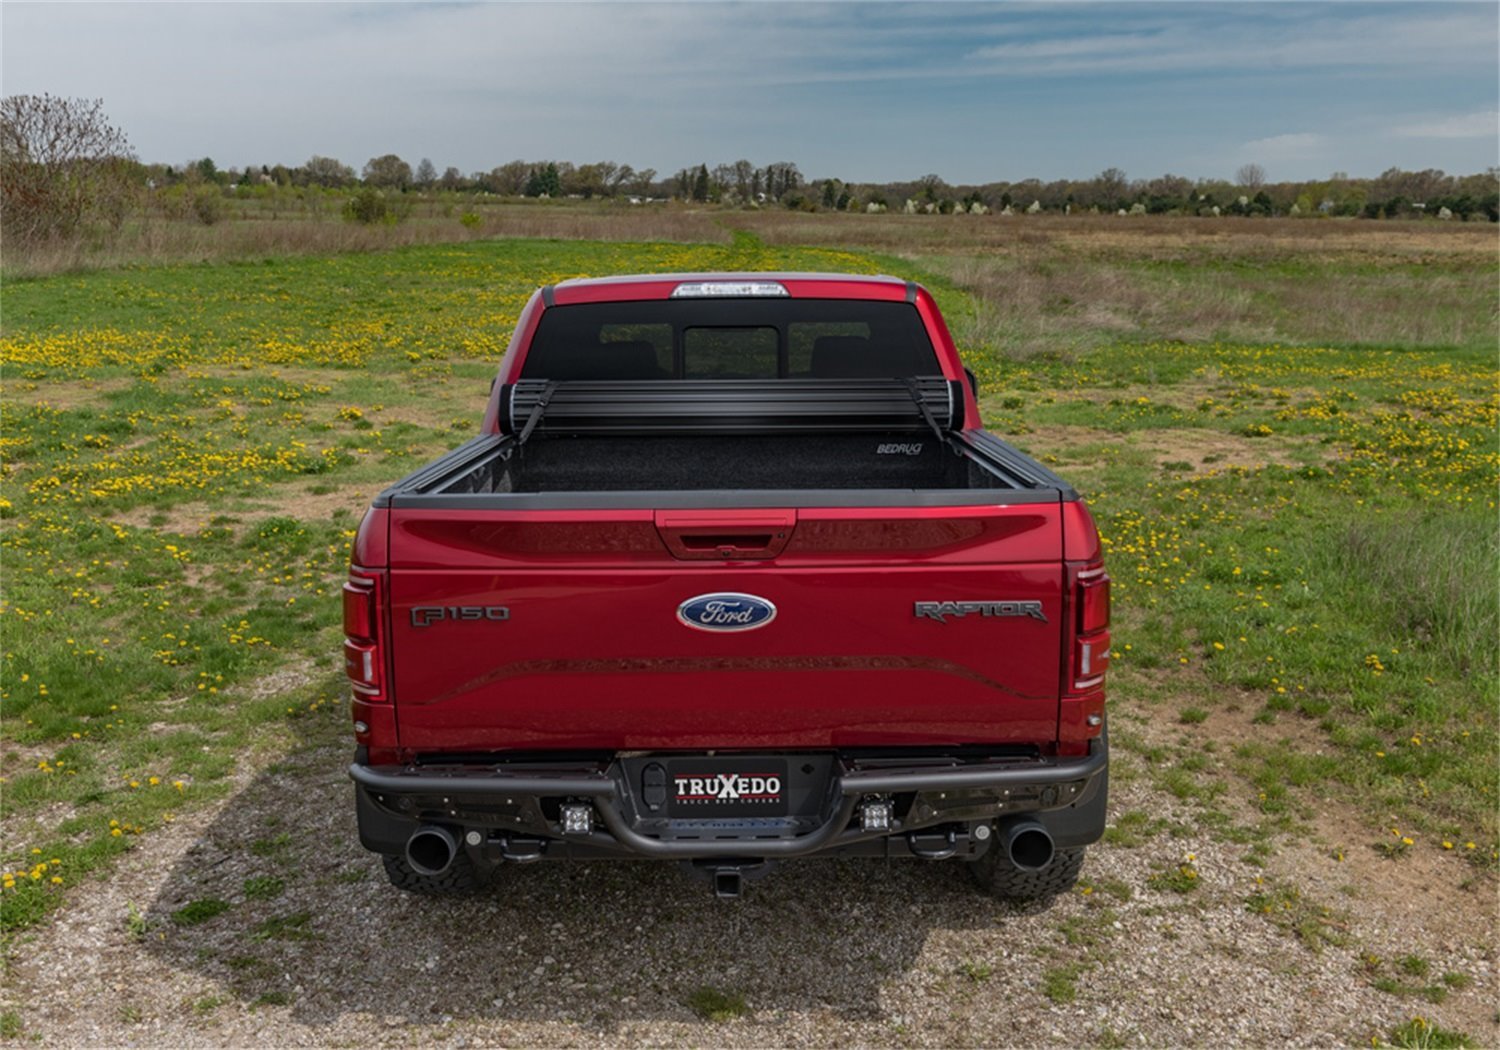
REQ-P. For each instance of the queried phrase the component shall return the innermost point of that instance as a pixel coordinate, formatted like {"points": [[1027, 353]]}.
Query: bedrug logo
{"points": [[940, 611], [729, 787], [726, 612], [899, 448]]}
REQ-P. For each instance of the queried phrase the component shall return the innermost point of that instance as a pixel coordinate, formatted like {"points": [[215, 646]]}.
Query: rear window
{"points": [[731, 339]]}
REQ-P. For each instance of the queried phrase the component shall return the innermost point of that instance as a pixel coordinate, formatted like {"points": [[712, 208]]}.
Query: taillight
{"points": [[1093, 600], [1091, 645], [362, 656], [359, 609]]}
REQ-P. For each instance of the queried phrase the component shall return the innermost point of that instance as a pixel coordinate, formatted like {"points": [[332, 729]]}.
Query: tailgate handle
{"points": [[726, 535]]}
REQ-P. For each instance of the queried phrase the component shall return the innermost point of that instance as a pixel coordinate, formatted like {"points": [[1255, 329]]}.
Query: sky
{"points": [[865, 92]]}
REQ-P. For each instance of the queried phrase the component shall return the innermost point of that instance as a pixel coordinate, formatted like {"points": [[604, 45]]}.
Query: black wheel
{"points": [[461, 879], [996, 875]]}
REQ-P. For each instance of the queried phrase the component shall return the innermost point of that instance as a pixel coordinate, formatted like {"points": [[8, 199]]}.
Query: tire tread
{"points": [[997, 876], [460, 880]]}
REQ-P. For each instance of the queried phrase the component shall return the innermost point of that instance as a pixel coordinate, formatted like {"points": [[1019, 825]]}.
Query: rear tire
{"points": [[461, 879], [998, 876]]}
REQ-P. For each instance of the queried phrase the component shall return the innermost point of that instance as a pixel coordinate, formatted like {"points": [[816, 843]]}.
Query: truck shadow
{"points": [[313, 924]]}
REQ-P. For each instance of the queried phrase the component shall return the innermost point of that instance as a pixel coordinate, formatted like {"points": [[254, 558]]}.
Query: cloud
{"points": [[1297, 145], [1482, 125], [1258, 38]]}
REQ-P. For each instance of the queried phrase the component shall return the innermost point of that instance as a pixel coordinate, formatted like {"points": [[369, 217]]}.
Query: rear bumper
{"points": [[515, 809]]}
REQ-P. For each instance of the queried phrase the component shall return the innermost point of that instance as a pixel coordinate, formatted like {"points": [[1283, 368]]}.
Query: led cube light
{"points": [[876, 816], [577, 818]]}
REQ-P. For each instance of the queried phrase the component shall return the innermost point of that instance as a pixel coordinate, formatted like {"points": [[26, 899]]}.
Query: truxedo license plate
{"points": [[731, 786]]}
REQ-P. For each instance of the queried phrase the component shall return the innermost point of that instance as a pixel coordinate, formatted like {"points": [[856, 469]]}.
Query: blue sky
{"points": [[974, 92]]}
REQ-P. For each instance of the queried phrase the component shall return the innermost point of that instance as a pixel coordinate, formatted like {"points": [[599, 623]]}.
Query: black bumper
{"points": [[515, 809]]}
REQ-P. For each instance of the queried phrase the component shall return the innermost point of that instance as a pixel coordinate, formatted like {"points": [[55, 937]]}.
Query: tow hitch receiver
{"points": [[728, 879]]}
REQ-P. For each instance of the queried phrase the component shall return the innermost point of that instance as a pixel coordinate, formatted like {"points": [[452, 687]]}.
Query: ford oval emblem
{"points": [[726, 612]]}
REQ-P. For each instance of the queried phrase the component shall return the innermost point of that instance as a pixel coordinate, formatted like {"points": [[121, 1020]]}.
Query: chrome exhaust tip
{"points": [[431, 849]]}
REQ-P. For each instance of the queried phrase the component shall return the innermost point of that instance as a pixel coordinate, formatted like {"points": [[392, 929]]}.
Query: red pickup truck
{"points": [[732, 574]]}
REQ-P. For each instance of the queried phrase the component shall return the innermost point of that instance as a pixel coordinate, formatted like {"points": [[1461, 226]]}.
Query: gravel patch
{"points": [[821, 952]]}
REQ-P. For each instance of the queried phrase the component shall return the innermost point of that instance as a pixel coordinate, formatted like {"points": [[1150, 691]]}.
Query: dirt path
{"points": [[821, 952]]}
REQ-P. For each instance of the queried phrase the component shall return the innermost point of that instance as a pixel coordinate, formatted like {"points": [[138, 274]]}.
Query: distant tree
{"points": [[587, 181], [426, 174], [1250, 176], [781, 179], [510, 179], [208, 171], [605, 172], [388, 172], [700, 183], [544, 182], [642, 183], [452, 179], [623, 175], [62, 164], [1110, 189], [744, 176], [325, 171]]}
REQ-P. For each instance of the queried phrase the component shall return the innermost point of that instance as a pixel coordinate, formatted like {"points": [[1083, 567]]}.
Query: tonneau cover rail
{"points": [[730, 405]]}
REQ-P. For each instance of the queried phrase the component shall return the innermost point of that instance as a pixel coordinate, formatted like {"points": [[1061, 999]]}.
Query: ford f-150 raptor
{"points": [[732, 574]]}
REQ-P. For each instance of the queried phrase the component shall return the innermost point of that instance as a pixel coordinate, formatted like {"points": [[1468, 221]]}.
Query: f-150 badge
{"points": [[427, 615], [940, 611], [726, 612]]}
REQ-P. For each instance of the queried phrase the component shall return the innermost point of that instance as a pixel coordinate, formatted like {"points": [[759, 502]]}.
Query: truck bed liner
{"points": [[835, 469]]}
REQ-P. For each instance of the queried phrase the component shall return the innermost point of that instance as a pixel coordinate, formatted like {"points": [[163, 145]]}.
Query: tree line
{"points": [[1395, 193], [65, 168]]}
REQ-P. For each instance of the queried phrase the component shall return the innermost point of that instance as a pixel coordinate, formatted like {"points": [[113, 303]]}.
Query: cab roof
{"points": [[662, 285]]}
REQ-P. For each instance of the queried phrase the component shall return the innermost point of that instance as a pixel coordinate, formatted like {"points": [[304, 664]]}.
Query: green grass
{"points": [[712, 1004], [1336, 574], [187, 451], [292, 927], [1060, 983], [200, 911], [1180, 879], [1315, 925], [264, 887], [1421, 1034]]}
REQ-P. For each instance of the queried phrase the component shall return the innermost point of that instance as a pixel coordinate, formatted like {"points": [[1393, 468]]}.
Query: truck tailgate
{"points": [[560, 630]]}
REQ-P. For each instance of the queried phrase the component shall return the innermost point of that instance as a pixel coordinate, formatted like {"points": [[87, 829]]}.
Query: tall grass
{"points": [[1431, 577], [251, 231]]}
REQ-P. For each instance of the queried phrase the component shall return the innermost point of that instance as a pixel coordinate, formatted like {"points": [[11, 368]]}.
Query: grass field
{"points": [[1290, 446]]}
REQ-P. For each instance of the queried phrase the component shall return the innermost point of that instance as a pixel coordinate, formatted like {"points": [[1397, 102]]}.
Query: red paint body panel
{"points": [[590, 654], [592, 659]]}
